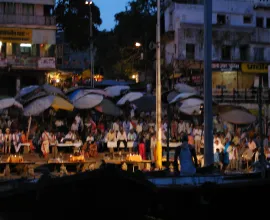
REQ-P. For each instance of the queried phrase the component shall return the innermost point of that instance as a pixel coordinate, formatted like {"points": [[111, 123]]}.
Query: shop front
{"points": [[225, 76], [250, 72]]}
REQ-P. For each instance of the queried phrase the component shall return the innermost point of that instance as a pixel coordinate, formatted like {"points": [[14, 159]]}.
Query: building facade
{"points": [[240, 41], [27, 43]]}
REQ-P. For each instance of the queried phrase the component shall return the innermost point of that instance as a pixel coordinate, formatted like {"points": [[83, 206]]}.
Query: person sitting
{"points": [[132, 136], [70, 136], [86, 147], [93, 150], [121, 137]]}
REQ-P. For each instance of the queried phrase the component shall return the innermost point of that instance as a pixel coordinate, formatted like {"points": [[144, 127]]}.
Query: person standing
{"points": [[7, 141], [45, 146]]}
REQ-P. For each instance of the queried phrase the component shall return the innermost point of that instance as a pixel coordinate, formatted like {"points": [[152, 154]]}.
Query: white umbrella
{"points": [[191, 106], [131, 96], [9, 102], [27, 90], [182, 96], [114, 91], [38, 106], [180, 87], [82, 92], [237, 116], [88, 101]]}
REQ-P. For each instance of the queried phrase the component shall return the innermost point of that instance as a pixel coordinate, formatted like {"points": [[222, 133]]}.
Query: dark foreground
{"points": [[110, 193]]}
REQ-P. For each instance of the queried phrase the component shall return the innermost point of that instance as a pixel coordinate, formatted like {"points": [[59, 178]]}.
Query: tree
{"points": [[72, 16], [136, 24]]}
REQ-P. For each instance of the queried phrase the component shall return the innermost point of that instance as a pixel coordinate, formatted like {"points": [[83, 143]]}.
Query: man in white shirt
{"points": [[218, 145], [116, 126], [121, 137], [139, 127]]}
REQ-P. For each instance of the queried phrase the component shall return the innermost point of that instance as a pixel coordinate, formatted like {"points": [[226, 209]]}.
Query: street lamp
{"points": [[91, 42], [137, 44]]}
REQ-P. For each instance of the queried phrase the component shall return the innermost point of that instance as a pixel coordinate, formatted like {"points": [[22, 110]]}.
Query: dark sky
{"points": [[108, 8]]}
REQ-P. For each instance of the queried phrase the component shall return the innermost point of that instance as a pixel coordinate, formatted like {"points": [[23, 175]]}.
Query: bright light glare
{"points": [[25, 45], [88, 2], [57, 80], [137, 44], [133, 76]]}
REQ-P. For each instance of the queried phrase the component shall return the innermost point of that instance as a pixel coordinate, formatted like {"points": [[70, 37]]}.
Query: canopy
{"points": [[114, 91], [107, 107], [9, 102], [238, 116], [131, 96], [77, 94], [180, 87], [182, 96], [146, 103], [191, 106], [40, 105], [88, 101]]}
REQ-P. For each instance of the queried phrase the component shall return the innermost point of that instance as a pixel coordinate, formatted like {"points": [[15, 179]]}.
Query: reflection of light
{"points": [[57, 80], [133, 76], [25, 45], [1, 43], [88, 2]]}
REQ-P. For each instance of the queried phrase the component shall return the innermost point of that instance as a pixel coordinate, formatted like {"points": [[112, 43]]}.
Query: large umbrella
{"points": [[77, 94], [9, 102], [182, 96], [129, 97], [146, 103], [107, 107], [114, 91], [27, 90], [52, 90], [88, 101], [39, 105], [171, 95], [180, 87], [238, 116], [191, 106]]}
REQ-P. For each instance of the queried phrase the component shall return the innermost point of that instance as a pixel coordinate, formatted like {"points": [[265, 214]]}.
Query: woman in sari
{"points": [[93, 149]]}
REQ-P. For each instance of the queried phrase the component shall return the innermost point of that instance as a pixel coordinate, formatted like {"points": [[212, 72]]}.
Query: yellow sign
{"points": [[16, 35], [254, 67]]}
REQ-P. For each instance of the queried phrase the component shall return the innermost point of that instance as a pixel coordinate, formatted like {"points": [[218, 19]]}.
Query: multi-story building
{"points": [[240, 41], [27, 43]]}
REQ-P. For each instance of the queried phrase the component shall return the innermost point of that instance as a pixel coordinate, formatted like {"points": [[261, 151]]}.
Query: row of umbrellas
{"points": [[34, 100]]}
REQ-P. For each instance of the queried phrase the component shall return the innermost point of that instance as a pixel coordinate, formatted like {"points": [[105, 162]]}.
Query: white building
{"points": [[27, 42], [241, 40]]}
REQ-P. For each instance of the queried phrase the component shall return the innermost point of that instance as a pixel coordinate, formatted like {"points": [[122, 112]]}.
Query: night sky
{"points": [[108, 8]]}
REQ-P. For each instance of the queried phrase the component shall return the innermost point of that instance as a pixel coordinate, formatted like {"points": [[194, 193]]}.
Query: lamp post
{"points": [[158, 94], [91, 42]]}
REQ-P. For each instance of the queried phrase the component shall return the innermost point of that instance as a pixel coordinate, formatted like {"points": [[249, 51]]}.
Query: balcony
{"points": [[16, 62], [27, 20]]}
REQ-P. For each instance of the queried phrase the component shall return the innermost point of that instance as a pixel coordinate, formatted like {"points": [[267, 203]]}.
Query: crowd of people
{"points": [[232, 146]]}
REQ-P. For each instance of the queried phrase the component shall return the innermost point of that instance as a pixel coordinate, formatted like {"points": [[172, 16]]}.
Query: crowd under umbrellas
{"points": [[88, 116]]}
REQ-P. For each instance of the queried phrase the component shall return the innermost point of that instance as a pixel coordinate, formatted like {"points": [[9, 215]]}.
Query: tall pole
{"points": [[208, 112], [158, 94], [91, 44]]}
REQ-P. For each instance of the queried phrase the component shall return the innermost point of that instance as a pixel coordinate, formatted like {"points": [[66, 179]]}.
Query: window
{"points": [[221, 19], [244, 52], [258, 54], [226, 53], [247, 20], [259, 22], [25, 50], [28, 9], [10, 8], [190, 51], [267, 22]]}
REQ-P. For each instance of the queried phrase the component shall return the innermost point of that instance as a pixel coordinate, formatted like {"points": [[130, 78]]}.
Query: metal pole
{"points": [[158, 94], [262, 156], [208, 112], [91, 44]]}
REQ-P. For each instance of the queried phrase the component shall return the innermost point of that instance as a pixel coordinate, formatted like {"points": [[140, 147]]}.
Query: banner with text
{"points": [[16, 35], [254, 68], [225, 67], [46, 63]]}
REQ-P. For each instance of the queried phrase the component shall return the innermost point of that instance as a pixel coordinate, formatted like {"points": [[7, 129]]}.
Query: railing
{"points": [[240, 96], [27, 20]]}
